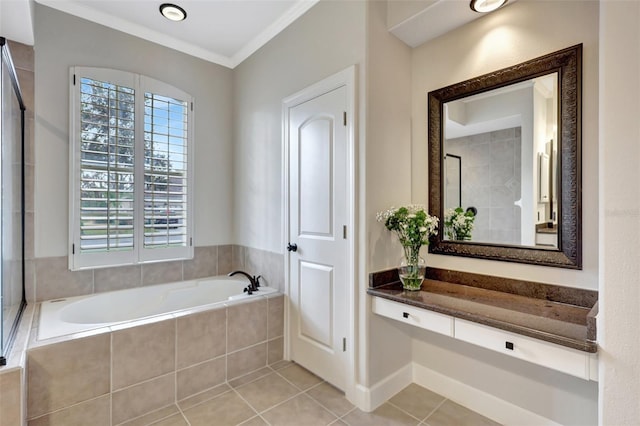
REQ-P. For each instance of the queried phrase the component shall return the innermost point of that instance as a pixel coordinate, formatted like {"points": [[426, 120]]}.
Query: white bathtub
{"points": [[83, 313]]}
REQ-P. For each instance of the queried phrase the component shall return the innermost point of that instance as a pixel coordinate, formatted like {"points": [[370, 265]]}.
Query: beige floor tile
{"points": [[280, 364], [331, 398], [227, 409], [248, 378], [175, 420], [299, 411], [300, 377], [266, 392], [417, 401], [202, 397], [385, 415], [452, 414], [255, 421], [338, 423], [153, 417]]}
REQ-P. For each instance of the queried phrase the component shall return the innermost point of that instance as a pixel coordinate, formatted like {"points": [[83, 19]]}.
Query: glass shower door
{"points": [[12, 295]]}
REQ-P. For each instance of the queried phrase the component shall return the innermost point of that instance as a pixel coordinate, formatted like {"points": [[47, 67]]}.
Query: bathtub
{"points": [[79, 314]]}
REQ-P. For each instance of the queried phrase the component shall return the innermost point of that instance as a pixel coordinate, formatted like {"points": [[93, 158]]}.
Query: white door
{"points": [[318, 215]]}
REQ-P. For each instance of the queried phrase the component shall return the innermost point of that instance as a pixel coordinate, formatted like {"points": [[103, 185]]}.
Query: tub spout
{"points": [[254, 282]]}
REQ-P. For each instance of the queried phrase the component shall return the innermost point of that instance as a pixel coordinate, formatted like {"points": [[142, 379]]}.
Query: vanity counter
{"points": [[555, 314]]}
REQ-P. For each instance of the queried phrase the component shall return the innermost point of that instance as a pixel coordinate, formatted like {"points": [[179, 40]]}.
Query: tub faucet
{"points": [[254, 282]]}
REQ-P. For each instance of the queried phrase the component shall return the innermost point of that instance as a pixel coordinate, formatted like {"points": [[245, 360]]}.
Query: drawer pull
{"points": [[405, 314], [508, 345]]}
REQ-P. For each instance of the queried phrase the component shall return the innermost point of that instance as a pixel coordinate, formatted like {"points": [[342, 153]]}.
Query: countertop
{"points": [[556, 314]]}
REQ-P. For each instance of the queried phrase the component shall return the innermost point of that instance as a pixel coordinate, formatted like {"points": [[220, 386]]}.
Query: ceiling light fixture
{"points": [[173, 12], [484, 6]]}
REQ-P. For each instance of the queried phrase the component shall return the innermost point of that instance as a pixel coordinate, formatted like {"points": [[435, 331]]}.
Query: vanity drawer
{"points": [[411, 315], [567, 360]]}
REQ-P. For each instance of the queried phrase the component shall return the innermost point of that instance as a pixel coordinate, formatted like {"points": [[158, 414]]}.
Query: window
{"points": [[131, 170]]}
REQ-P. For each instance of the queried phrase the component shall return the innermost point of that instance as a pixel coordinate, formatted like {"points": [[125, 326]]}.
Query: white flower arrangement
{"points": [[458, 224], [411, 223], [413, 226]]}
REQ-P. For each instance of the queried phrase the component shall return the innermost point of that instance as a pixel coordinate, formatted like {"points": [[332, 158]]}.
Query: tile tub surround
{"points": [[12, 380], [53, 279], [560, 315], [142, 367], [11, 397]]}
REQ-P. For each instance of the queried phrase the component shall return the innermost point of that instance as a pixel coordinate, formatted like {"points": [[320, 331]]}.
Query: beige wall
{"points": [[386, 162], [619, 317], [521, 31], [325, 40], [516, 33], [63, 41]]}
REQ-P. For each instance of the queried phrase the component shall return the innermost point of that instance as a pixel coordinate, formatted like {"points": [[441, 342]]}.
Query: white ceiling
{"points": [[225, 32]]}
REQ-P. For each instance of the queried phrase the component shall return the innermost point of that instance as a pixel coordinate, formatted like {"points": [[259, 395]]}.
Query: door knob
{"points": [[292, 247]]}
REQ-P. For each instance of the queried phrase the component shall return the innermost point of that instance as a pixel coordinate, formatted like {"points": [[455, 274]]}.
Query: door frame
{"points": [[345, 78]]}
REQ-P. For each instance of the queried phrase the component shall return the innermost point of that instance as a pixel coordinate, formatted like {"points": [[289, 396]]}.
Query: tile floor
{"points": [[288, 395]]}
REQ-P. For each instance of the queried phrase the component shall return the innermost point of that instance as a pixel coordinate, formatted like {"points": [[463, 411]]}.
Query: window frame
{"points": [[79, 260]]}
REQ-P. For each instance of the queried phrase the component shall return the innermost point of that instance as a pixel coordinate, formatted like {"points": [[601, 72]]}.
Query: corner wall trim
{"points": [[368, 399]]}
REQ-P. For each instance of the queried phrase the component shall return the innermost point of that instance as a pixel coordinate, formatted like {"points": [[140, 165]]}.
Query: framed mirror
{"points": [[505, 163]]}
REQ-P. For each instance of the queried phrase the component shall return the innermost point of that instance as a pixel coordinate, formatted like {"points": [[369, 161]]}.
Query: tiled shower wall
{"points": [[491, 182], [53, 279]]}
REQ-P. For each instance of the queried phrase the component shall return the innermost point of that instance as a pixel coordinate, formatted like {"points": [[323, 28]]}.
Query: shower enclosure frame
{"points": [[6, 61]]}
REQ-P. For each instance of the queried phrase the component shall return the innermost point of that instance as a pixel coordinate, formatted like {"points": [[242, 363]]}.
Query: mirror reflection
{"points": [[500, 165], [510, 141]]}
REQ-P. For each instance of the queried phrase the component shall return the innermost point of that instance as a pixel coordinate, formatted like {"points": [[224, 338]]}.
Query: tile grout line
{"points": [[175, 362], [322, 405], [257, 413], [346, 414], [206, 400], [404, 411], [146, 414], [184, 416], [308, 389], [229, 386], [434, 410], [58, 410]]}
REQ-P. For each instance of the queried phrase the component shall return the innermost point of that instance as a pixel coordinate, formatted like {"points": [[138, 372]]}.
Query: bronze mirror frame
{"points": [[568, 64]]}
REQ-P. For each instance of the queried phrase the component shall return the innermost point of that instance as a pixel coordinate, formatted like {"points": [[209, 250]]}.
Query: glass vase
{"points": [[412, 269]]}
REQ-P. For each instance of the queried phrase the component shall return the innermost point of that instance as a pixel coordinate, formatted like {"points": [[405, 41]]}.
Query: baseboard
{"points": [[481, 402], [368, 399]]}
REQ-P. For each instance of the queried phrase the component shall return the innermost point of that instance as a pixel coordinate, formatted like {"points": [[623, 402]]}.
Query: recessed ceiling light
{"points": [[173, 12], [484, 6]]}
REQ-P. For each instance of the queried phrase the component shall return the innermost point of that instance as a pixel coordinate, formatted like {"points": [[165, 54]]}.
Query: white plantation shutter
{"points": [[165, 166], [106, 179], [130, 170]]}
